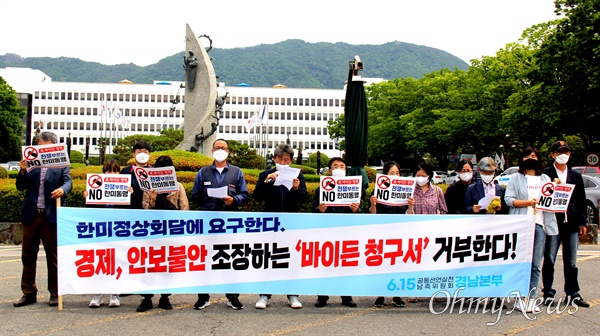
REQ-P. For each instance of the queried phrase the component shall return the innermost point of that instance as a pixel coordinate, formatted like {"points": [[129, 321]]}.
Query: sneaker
{"points": [[164, 303], [398, 302], [114, 301], [96, 301], [235, 304], [577, 300], [145, 305], [262, 302], [379, 302], [201, 303], [294, 302]]}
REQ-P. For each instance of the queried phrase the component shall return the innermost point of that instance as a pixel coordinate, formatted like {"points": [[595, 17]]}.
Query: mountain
{"points": [[294, 63]]}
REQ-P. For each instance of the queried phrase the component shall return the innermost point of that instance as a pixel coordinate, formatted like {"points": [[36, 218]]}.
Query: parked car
{"points": [[451, 178], [405, 172], [438, 177], [588, 170], [592, 195], [503, 178], [11, 165]]}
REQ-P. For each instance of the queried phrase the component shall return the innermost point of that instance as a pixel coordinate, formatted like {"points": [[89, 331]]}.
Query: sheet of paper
{"points": [[217, 192], [484, 202], [286, 177]]}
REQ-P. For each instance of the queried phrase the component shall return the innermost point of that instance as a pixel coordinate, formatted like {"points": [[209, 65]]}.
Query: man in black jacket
{"points": [[280, 199], [570, 226]]}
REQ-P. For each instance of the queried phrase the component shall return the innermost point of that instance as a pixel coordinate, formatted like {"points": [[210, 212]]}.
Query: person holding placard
{"points": [[42, 187], [337, 166], [176, 200], [220, 187], [279, 197], [141, 154], [522, 196], [109, 167], [389, 168], [429, 198], [571, 225]]}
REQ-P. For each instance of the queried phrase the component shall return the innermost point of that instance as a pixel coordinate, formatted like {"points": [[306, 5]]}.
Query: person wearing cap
{"points": [[484, 188], [521, 196], [571, 225]]}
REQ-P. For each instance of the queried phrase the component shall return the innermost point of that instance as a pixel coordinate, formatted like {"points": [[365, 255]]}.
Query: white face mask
{"points": [[280, 166], [422, 180], [142, 158], [562, 159], [465, 177], [487, 178], [220, 155], [338, 172]]}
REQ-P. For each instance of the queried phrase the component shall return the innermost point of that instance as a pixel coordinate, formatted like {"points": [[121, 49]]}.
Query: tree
{"points": [[11, 128], [167, 140], [242, 156]]}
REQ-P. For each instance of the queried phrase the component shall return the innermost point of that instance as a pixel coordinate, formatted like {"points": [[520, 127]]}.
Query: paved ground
{"points": [[278, 318]]}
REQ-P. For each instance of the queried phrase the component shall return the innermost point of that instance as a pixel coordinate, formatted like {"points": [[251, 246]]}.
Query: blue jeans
{"points": [[536, 262], [569, 241]]}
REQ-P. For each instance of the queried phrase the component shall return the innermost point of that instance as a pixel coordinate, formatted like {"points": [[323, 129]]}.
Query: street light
{"points": [[507, 145]]}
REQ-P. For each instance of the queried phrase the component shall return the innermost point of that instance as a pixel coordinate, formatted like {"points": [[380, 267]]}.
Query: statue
{"points": [[190, 65]]}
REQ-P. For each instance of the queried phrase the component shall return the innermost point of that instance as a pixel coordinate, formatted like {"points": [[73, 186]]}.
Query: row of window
{"points": [[169, 98], [93, 111], [254, 144], [108, 97], [226, 129], [95, 126], [284, 115]]}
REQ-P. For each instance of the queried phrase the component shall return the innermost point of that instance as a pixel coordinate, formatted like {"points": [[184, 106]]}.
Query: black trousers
{"points": [[40, 230]]}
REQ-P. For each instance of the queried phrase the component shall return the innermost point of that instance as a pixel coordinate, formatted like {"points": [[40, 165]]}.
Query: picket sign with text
{"points": [[160, 251], [46, 156], [108, 189], [340, 190], [394, 190], [163, 180], [555, 197]]}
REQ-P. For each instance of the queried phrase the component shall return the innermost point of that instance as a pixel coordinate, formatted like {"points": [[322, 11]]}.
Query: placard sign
{"points": [[46, 156], [108, 189], [555, 197], [394, 190], [163, 179], [340, 190]]}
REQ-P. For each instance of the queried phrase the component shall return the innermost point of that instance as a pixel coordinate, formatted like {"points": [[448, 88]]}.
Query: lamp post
{"points": [[507, 144]]}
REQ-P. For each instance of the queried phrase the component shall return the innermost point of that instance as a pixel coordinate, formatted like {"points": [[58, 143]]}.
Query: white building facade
{"points": [[117, 110]]}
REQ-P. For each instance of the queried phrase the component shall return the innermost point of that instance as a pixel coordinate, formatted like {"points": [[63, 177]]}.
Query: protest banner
{"points": [[46, 156], [108, 189], [162, 180], [394, 190], [338, 191], [555, 197], [159, 251]]}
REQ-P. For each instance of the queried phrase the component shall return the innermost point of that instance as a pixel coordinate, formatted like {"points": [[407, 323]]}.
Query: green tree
{"points": [[336, 129], [242, 156], [11, 128]]}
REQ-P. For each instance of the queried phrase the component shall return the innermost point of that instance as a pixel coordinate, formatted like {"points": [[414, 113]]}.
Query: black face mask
{"points": [[531, 164]]}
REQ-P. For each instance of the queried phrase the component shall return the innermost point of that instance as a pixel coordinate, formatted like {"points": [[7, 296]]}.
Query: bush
{"points": [[11, 203], [312, 160], [3, 173], [305, 170], [182, 160], [76, 157], [80, 172], [371, 173], [13, 174]]}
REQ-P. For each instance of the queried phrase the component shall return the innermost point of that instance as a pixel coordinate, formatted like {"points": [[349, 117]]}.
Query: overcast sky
{"points": [[144, 32]]}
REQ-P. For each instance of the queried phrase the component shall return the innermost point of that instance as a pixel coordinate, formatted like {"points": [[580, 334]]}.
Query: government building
{"points": [[117, 110]]}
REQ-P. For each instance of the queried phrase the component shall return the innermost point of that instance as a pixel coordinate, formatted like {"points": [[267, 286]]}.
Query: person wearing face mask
{"points": [[521, 196], [389, 168], [455, 194], [280, 199], [141, 154], [220, 174], [571, 225], [486, 187], [337, 166], [429, 199]]}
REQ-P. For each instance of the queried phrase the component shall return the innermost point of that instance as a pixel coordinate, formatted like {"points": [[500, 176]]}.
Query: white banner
{"points": [[161, 251], [394, 190], [108, 189]]}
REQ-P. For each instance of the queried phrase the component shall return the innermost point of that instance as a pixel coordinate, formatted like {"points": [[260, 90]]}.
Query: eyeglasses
{"points": [[220, 147]]}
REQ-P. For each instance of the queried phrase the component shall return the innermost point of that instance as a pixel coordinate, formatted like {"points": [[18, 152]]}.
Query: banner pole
{"points": [[60, 299]]}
